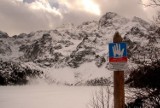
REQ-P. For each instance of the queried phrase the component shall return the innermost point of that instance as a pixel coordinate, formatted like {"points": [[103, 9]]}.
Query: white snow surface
{"points": [[46, 96], [54, 96], [67, 75]]}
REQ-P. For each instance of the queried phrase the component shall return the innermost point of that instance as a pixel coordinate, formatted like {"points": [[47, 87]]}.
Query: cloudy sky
{"points": [[17, 16]]}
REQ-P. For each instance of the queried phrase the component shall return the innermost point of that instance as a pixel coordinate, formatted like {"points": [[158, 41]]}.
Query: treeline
{"points": [[12, 73], [146, 78]]}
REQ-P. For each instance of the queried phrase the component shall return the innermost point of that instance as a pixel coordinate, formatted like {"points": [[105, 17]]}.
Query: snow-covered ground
{"points": [[71, 76], [46, 96]]}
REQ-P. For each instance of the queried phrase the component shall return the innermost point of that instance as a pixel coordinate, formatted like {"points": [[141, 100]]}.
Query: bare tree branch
{"points": [[101, 98], [152, 3]]}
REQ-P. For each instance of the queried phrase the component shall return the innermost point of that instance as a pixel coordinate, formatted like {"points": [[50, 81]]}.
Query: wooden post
{"points": [[118, 80]]}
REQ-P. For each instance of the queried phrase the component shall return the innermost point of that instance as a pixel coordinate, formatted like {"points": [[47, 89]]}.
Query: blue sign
{"points": [[117, 52]]}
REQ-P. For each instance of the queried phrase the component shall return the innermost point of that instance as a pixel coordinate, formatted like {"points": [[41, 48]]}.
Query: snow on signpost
{"points": [[118, 56]]}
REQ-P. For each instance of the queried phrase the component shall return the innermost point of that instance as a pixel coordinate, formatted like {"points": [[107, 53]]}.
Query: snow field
{"points": [[45, 96]]}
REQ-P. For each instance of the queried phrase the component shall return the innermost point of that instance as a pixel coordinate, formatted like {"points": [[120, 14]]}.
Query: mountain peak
{"points": [[110, 15], [111, 18], [141, 21], [3, 35], [137, 19]]}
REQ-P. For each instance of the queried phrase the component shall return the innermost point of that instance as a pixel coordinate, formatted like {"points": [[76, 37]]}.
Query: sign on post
{"points": [[117, 56]]}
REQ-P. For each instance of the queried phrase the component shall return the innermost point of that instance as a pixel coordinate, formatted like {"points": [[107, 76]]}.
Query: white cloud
{"points": [[44, 6], [83, 5], [127, 8], [17, 16], [19, 0]]}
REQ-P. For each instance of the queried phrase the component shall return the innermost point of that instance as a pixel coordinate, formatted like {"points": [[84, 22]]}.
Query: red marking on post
{"points": [[123, 59]]}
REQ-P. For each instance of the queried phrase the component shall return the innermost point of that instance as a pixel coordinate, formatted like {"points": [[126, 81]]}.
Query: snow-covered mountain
{"points": [[81, 51]]}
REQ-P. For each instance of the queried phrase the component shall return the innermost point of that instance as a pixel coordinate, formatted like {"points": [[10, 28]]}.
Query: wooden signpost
{"points": [[118, 80], [118, 59]]}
